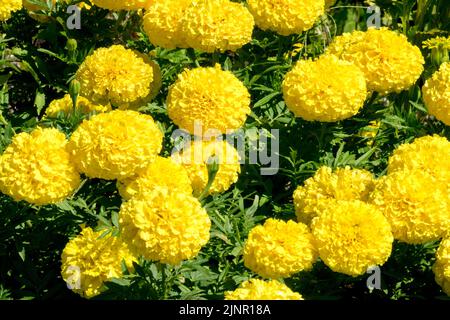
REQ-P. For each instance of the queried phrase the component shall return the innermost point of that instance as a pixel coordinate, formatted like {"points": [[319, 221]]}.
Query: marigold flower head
{"points": [[342, 184], [286, 17], [255, 289], [122, 4], [165, 225], [313, 97], [352, 236], [209, 97], [162, 23], [279, 249], [115, 145], [116, 75], [36, 167], [163, 172], [417, 209], [429, 154], [195, 158], [7, 7], [389, 62], [65, 105], [221, 25], [436, 94], [437, 43], [441, 268], [89, 260]]}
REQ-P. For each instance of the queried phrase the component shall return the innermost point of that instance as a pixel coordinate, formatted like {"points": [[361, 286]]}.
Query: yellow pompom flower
{"points": [[389, 62], [65, 106], [430, 154], [163, 172], [162, 23], [279, 249], [122, 4], [115, 145], [342, 184], [208, 97], [221, 25], [313, 97], [36, 167], [7, 7], [198, 154], [286, 17], [352, 236], [441, 268], [88, 261], [115, 75], [436, 94], [165, 225], [417, 209], [255, 289]]}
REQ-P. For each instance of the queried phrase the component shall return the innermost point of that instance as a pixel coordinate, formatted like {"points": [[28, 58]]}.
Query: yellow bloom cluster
{"points": [[88, 261], [314, 97], [286, 16], [441, 268], [7, 7], [122, 4], [65, 105], [389, 62], [162, 23], [342, 184], [118, 76], [198, 154], [430, 154], [417, 209], [164, 225], [255, 289], [211, 25], [36, 167], [436, 94], [163, 172], [115, 145], [209, 97], [279, 249], [352, 236], [436, 43]]}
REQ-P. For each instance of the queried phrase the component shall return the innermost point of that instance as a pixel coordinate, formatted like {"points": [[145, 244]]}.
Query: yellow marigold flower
{"points": [[209, 97], [198, 154], [436, 94], [7, 7], [441, 268], [115, 75], [352, 236], [122, 4], [417, 209], [36, 167], [430, 154], [165, 225], [313, 97], [370, 131], [115, 145], [163, 172], [279, 249], [342, 184], [65, 105], [162, 23], [88, 261], [286, 17], [211, 25], [389, 62], [255, 289], [436, 43]]}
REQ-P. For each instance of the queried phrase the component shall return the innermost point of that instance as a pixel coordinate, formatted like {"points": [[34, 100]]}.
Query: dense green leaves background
{"points": [[36, 67]]}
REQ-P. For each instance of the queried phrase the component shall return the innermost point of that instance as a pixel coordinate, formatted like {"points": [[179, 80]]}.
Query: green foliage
{"points": [[37, 63]]}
